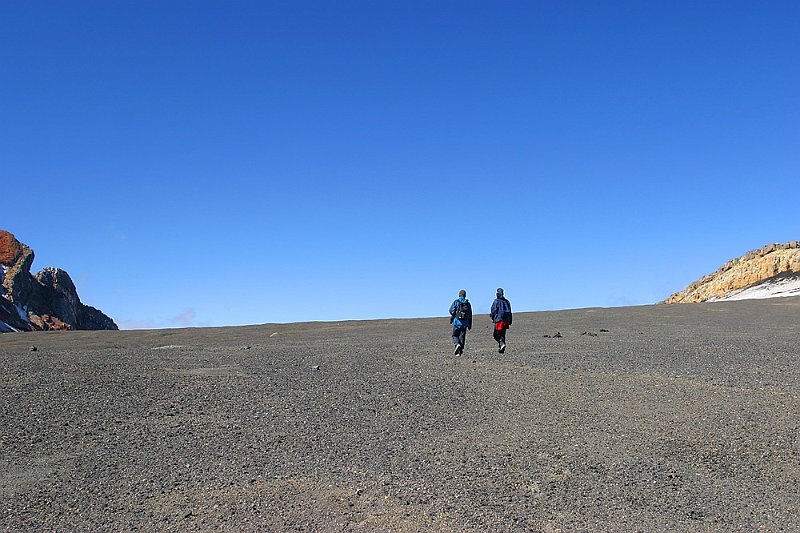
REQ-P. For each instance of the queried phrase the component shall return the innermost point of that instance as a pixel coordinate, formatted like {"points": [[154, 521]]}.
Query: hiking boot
{"points": [[502, 348]]}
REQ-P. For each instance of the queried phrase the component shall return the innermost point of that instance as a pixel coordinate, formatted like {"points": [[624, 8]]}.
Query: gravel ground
{"points": [[677, 418]]}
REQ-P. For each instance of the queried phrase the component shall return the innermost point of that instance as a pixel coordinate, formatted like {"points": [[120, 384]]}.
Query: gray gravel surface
{"points": [[677, 418]]}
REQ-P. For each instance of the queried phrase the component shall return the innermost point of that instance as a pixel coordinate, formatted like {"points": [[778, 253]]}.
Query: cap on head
{"points": [[462, 292], [499, 292]]}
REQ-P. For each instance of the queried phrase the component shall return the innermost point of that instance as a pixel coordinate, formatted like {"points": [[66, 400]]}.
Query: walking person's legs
{"points": [[459, 339], [499, 334], [455, 340]]}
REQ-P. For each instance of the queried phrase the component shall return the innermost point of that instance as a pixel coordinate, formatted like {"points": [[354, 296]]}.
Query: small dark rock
{"points": [[695, 515], [34, 348]]}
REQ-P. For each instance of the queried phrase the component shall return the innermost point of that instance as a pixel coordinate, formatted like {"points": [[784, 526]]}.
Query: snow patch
{"points": [[22, 312], [777, 287]]}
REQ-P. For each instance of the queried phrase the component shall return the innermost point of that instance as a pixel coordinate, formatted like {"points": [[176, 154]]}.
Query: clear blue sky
{"points": [[220, 163]]}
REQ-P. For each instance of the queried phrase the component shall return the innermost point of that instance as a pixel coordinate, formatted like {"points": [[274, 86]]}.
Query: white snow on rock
{"points": [[22, 312], [5, 328], [777, 287]]}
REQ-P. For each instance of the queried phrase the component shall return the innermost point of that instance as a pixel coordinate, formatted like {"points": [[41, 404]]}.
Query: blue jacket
{"points": [[466, 322], [501, 310]]}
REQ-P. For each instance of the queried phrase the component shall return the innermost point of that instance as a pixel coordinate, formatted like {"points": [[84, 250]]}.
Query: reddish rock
{"points": [[49, 323], [9, 248]]}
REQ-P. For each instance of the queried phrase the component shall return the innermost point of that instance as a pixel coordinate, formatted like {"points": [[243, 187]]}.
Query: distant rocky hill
{"points": [[45, 301], [771, 271]]}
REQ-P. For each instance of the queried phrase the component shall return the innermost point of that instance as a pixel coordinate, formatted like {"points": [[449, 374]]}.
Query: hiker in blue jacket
{"points": [[461, 318], [501, 316]]}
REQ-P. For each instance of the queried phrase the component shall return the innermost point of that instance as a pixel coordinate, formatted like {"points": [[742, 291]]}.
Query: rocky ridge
{"points": [[47, 300], [753, 268]]}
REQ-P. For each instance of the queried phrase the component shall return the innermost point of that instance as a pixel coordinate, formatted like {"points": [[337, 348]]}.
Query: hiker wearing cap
{"points": [[461, 319], [501, 317]]}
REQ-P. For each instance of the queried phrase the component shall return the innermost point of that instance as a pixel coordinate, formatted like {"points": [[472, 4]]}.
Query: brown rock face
{"points": [[750, 269], [46, 301], [9, 248]]}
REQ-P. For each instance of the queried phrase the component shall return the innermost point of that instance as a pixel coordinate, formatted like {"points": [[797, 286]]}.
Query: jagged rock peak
{"points": [[45, 301], [751, 269]]}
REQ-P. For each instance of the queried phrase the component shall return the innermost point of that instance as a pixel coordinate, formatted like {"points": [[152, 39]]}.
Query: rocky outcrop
{"points": [[751, 269], [10, 248], [45, 301]]}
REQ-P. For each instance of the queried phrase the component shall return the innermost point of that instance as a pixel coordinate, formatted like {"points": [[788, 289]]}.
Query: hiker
{"points": [[501, 316], [461, 318]]}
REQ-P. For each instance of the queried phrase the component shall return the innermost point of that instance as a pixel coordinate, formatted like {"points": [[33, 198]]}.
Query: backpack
{"points": [[463, 310], [503, 310]]}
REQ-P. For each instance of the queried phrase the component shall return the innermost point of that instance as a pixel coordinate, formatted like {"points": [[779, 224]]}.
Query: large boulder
{"points": [[60, 293], [45, 301]]}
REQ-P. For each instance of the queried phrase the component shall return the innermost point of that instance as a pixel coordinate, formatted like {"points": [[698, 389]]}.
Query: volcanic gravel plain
{"points": [[655, 418]]}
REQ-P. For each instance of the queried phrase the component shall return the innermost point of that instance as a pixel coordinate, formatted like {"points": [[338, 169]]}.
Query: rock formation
{"points": [[45, 301], [751, 269]]}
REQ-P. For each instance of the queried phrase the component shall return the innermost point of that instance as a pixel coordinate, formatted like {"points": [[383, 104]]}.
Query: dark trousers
{"points": [[500, 336], [459, 335]]}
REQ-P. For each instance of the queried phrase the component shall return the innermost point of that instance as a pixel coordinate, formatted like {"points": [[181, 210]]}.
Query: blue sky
{"points": [[221, 163]]}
